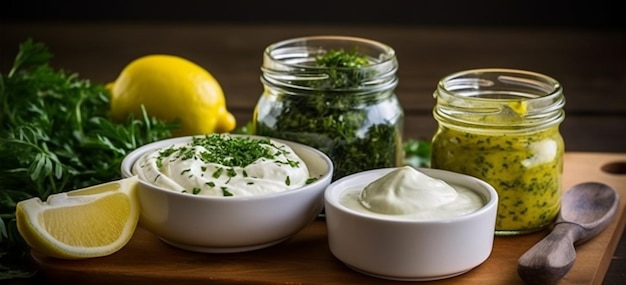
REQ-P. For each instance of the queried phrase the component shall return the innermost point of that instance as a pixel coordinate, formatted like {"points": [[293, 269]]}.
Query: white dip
{"points": [[223, 165], [408, 193]]}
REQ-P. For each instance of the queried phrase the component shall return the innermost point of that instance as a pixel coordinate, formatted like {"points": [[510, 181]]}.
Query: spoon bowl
{"points": [[591, 206], [586, 210]]}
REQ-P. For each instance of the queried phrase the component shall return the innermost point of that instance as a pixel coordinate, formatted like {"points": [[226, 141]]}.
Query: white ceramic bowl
{"points": [[398, 249], [230, 224]]}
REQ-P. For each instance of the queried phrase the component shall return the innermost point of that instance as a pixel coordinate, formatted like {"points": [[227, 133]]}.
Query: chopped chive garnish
{"points": [[218, 172], [225, 192]]}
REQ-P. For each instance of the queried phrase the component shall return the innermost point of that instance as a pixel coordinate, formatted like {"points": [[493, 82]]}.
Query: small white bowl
{"points": [[395, 248], [230, 224]]}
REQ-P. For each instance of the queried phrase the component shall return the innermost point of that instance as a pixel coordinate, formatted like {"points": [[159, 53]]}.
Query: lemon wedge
{"points": [[90, 222]]}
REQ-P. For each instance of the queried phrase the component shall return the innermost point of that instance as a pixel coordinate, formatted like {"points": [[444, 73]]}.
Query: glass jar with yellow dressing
{"points": [[502, 126]]}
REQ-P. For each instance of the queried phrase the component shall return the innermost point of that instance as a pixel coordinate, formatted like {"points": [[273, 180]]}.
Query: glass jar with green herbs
{"points": [[337, 94], [502, 126]]}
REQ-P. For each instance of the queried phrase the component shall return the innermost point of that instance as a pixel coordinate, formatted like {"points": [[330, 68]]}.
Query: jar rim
{"points": [[320, 43], [292, 64], [482, 77], [501, 98]]}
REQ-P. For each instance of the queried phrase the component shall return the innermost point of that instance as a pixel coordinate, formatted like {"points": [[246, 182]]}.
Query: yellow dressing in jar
{"points": [[502, 126]]}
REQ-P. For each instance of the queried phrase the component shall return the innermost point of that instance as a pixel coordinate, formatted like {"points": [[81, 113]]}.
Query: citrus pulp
{"points": [[89, 222]]}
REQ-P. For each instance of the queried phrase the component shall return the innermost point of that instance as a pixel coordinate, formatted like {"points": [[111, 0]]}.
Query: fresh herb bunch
{"points": [[339, 117], [417, 152], [56, 137]]}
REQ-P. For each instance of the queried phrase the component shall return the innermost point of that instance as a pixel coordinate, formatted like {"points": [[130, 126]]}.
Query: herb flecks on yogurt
{"points": [[408, 193], [225, 165]]}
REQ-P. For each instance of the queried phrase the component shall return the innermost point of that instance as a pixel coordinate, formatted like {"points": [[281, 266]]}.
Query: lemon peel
{"points": [[85, 223], [519, 107], [173, 89]]}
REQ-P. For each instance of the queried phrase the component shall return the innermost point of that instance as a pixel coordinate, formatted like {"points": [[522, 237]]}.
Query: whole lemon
{"points": [[171, 88]]}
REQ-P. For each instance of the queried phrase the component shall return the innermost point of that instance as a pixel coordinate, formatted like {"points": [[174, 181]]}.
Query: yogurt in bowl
{"points": [[410, 224], [223, 166], [246, 198], [406, 193]]}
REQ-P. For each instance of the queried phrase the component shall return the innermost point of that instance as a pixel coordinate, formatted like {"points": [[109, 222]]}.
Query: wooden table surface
{"points": [[590, 64], [306, 258]]}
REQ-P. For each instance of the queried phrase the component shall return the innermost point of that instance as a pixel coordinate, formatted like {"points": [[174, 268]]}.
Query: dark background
{"points": [[576, 14]]}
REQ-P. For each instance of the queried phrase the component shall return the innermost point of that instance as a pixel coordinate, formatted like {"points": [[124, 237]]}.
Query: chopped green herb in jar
{"points": [[351, 113]]}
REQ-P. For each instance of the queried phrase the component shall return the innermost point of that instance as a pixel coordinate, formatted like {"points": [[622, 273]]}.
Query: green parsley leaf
{"points": [[56, 136]]}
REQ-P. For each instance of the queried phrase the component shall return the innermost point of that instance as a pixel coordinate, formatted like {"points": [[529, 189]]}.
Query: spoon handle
{"points": [[551, 258]]}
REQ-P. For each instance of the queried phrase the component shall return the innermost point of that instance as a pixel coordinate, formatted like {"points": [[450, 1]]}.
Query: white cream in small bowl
{"points": [[195, 201], [410, 224]]}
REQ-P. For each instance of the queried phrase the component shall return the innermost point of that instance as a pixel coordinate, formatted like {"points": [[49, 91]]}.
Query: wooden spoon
{"points": [[586, 210]]}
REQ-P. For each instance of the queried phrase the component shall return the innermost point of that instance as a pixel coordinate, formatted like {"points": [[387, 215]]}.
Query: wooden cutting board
{"points": [[306, 259]]}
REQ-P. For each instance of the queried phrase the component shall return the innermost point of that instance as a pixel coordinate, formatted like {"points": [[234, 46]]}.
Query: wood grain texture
{"points": [[306, 259]]}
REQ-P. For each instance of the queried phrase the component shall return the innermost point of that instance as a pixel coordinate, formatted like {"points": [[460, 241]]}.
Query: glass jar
{"points": [[502, 126], [348, 111]]}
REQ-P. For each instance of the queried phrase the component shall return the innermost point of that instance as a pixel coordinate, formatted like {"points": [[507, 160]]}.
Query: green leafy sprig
{"points": [[56, 136]]}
